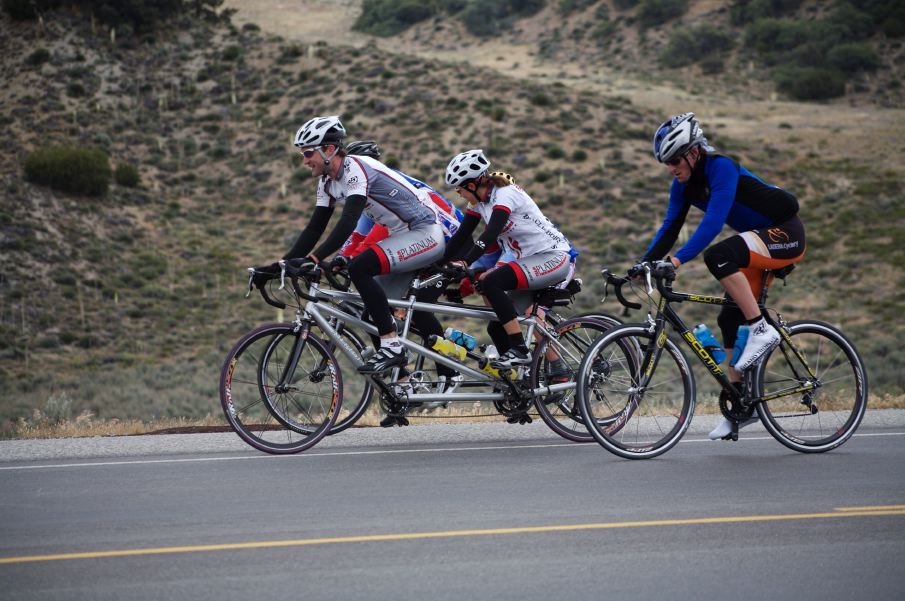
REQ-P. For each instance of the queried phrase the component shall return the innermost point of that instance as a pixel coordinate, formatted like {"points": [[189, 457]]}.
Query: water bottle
{"points": [[709, 342], [447, 347], [461, 338], [741, 339]]}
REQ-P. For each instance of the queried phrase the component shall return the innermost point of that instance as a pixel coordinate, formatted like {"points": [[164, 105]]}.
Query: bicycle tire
{"points": [[608, 318], [275, 421], [822, 419], [349, 413], [648, 422], [560, 411]]}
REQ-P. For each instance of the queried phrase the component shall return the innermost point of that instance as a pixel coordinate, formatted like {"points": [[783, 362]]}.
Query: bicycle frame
{"points": [[666, 314], [319, 312]]}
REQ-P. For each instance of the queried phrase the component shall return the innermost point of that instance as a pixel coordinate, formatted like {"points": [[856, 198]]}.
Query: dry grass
{"points": [[85, 425]]}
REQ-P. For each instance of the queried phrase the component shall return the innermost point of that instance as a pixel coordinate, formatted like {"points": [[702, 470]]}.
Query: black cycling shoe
{"points": [[384, 360], [512, 358], [394, 420]]}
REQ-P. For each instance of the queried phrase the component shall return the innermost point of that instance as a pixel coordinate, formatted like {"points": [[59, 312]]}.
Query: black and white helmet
{"points": [[364, 148], [466, 166], [320, 131], [677, 136]]}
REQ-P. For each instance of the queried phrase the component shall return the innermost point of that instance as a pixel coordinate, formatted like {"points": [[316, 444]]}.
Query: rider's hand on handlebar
{"points": [[454, 269], [635, 271], [338, 263], [300, 266], [265, 273]]}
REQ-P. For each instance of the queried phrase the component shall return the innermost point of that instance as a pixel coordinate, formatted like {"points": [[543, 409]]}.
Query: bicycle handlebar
{"points": [[340, 280], [617, 283]]}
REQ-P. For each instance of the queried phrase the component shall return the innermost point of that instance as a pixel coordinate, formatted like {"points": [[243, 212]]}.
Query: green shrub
{"points": [[540, 99], [579, 155], [390, 17], [687, 46], [745, 11], [487, 17], [554, 152], [69, 169], [127, 175], [853, 57], [625, 4], [26, 10], [76, 90], [38, 57], [570, 6], [656, 12], [231, 53], [809, 83]]}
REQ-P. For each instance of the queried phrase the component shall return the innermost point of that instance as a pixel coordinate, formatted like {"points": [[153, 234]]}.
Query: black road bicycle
{"points": [[810, 391]]}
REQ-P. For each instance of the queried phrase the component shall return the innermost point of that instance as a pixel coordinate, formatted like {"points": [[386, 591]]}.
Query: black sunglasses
{"points": [[675, 160]]}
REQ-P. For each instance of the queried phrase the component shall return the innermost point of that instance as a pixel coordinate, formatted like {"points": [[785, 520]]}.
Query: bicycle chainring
{"points": [[734, 410]]}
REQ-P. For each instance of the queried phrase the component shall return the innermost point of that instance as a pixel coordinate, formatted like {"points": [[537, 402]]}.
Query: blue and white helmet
{"points": [[677, 136], [320, 131], [466, 166]]}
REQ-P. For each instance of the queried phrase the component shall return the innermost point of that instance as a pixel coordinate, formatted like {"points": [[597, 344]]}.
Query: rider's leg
{"points": [[724, 260], [495, 285], [391, 353], [428, 324]]}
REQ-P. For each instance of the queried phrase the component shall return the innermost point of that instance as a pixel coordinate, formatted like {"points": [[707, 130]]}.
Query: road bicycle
{"points": [[810, 391], [282, 385]]}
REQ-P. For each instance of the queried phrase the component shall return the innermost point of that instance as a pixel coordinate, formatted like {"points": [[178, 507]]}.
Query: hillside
{"points": [[125, 305]]}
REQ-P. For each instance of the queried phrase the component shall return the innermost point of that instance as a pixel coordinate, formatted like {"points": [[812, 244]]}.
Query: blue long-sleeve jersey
{"points": [[728, 194]]}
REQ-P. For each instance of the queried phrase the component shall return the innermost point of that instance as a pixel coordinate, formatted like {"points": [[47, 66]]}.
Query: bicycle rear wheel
{"points": [[275, 396], [560, 410], [627, 413], [828, 413]]}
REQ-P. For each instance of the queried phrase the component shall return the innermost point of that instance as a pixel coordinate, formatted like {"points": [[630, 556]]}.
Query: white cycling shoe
{"points": [[724, 428], [762, 337]]}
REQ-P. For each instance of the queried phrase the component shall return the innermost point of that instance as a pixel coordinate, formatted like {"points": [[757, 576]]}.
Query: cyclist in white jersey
{"points": [[539, 251], [365, 185]]}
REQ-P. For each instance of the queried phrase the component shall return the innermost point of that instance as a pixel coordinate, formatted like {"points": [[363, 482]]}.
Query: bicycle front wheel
{"points": [[560, 410], [814, 391], [635, 404], [360, 390], [281, 392]]}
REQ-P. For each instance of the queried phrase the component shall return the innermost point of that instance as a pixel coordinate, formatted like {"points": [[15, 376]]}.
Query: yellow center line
{"points": [[273, 544], [871, 508]]}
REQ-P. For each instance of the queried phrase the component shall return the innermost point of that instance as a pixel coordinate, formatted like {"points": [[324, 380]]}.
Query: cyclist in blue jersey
{"points": [[770, 233]]}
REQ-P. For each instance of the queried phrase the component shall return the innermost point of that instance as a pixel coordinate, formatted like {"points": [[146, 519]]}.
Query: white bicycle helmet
{"points": [[466, 166], [677, 136], [320, 131]]}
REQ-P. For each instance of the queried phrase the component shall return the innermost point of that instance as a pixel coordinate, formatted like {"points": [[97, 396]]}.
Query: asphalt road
{"points": [[534, 518]]}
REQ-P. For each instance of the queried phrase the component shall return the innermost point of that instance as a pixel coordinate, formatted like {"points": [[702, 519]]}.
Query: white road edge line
{"points": [[377, 452]]}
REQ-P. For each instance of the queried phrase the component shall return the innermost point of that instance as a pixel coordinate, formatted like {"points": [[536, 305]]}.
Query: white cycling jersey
{"points": [[528, 232], [391, 200]]}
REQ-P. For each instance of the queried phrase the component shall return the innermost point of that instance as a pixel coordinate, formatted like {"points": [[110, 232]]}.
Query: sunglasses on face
{"points": [[308, 152], [675, 160]]}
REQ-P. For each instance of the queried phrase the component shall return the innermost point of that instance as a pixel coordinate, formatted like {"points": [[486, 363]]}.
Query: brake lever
{"points": [[650, 287], [282, 264], [251, 281], [606, 284]]}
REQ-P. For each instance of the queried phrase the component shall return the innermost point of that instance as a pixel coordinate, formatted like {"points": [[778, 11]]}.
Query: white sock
{"points": [[391, 344]]}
